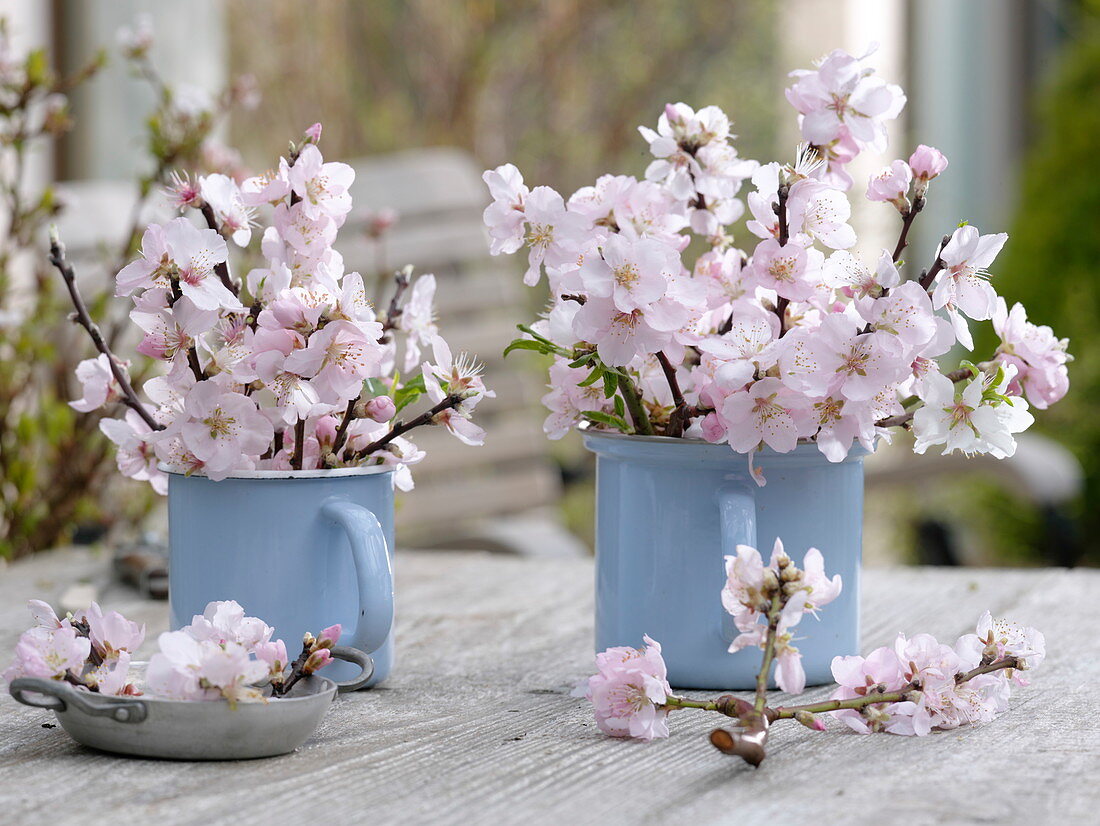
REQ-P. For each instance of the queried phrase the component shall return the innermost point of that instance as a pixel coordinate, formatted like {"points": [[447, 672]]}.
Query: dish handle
{"points": [[359, 658], [58, 696]]}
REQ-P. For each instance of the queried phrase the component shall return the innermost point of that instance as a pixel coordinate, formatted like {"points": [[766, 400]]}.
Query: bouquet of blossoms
{"points": [[222, 654], [797, 338], [286, 368]]}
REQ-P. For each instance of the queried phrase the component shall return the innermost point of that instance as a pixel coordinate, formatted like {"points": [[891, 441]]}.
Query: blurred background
{"points": [[421, 96]]}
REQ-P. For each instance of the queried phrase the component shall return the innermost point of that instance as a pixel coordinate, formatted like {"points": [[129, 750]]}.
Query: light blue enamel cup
{"points": [[668, 511], [301, 550]]}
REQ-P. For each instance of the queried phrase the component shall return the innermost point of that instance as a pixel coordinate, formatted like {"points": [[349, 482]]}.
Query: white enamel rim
{"points": [[330, 473]]}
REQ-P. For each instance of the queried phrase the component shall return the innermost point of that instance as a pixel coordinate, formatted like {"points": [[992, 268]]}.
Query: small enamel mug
{"points": [[301, 550], [668, 511]]}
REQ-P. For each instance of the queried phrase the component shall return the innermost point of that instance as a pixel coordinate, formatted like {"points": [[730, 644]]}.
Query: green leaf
{"points": [[375, 387], [587, 358], [528, 344], [593, 377], [408, 392], [620, 407], [616, 422], [610, 385]]}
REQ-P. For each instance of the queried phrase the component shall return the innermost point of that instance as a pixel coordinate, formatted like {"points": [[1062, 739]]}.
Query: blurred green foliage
{"points": [[1052, 264], [556, 86]]}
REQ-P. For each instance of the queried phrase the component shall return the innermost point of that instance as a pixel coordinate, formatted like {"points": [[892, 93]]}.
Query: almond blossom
{"points": [[964, 282], [980, 418], [628, 692], [98, 381], [221, 426], [1040, 358], [323, 187], [505, 217]]}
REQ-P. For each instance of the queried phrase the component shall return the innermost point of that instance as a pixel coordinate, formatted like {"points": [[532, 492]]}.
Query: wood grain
{"points": [[477, 726]]}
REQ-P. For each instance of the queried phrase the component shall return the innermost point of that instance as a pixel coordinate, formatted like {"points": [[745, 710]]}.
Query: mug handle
{"points": [[373, 571]]}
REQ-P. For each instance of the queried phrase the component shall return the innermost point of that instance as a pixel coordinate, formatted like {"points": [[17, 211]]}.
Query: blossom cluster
{"points": [[221, 654], [752, 591], [629, 692], [912, 687], [90, 649], [928, 673], [289, 367], [800, 337], [225, 654]]}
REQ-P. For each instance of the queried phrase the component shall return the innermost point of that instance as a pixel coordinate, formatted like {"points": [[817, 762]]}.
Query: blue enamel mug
{"points": [[301, 550], [668, 512]]}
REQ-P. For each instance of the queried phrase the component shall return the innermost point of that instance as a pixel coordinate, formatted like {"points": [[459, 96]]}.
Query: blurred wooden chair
{"points": [[501, 496]]}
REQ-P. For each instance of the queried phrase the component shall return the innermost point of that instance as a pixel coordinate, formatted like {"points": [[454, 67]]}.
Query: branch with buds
{"points": [[913, 687]]}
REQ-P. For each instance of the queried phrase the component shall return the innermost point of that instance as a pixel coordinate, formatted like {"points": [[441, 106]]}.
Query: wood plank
{"points": [[476, 724]]}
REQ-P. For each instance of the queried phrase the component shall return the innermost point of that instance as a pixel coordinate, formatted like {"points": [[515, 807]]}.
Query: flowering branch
{"points": [[222, 268], [400, 428], [910, 688], [84, 319], [907, 221], [678, 419], [929, 275]]}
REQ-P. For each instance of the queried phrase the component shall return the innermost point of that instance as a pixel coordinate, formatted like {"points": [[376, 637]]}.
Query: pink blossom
{"points": [[323, 187], [621, 337], [417, 319], [307, 237], [968, 421], [294, 397], [225, 621], [843, 271], [111, 633], [634, 273], [112, 677], [841, 422], [338, 358], [905, 313], [48, 653], [768, 412], [835, 358], [964, 282], [329, 636], [821, 212], [222, 427], [891, 185], [554, 235], [567, 401], [926, 163], [505, 217], [842, 97], [462, 377], [628, 692], [791, 270], [135, 452], [171, 332], [100, 387], [269, 188], [273, 654], [223, 196], [1039, 357]]}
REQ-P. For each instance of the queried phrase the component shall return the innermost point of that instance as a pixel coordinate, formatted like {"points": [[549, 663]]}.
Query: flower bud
{"points": [[927, 162], [809, 720], [308, 640], [381, 409], [313, 133], [329, 636], [316, 661]]}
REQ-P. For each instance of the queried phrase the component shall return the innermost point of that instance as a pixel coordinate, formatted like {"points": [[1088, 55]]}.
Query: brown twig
{"points": [[84, 319], [299, 445], [678, 418], [395, 310], [906, 223], [400, 428], [784, 236], [342, 430], [222, 269], [929, 275]]}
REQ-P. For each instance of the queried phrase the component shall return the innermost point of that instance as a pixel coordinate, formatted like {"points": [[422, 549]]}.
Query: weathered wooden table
{"points": [[477, 726]]}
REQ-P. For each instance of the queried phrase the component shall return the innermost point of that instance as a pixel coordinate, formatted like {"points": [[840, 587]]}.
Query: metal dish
{"points": [[183, 730]]}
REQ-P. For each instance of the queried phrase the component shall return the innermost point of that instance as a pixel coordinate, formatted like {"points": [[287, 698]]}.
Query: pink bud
{"points": [[314, 133], [381, 409], [326, 430], [316, 661], [673, 115], [330, 636], [927, 162]]}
